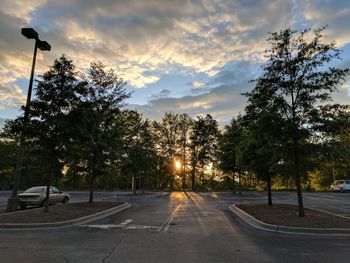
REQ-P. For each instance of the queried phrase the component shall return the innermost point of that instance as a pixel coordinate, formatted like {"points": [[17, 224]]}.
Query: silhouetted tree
{"points": [[296, 78]]}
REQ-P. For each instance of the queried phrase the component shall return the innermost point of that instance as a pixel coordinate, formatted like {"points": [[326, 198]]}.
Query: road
{"points": [[180, 227]]}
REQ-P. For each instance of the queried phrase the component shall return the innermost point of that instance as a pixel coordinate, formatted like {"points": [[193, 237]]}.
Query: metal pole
{"points": [[12, 203]]}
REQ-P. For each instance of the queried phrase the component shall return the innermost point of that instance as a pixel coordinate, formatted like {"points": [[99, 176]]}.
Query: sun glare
{"points": [[177, 164]]}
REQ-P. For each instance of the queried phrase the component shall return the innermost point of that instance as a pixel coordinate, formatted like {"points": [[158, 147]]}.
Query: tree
{"points": [[185, 125], [57, 92], [296, 78], [204, 141], [228, 149], [167, 132], [98, 126], [7, 162], [139, 158], [331, 125], [260, 147]]}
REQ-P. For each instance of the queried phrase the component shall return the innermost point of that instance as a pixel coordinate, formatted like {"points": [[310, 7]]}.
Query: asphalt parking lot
{"points": [[179, 227]]}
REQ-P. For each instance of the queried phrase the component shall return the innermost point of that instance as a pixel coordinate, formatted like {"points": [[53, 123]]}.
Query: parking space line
{"points": [[169, 220]]}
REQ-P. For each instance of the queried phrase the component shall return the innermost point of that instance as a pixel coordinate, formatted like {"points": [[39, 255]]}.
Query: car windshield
{"points": [[35, 190]]}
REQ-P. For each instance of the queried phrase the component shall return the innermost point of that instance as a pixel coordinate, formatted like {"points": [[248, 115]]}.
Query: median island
{"points": [[57, 213], [287, 215]]}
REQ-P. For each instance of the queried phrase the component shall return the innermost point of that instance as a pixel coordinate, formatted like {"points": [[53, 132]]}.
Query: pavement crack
{"points": [[104, 260]]}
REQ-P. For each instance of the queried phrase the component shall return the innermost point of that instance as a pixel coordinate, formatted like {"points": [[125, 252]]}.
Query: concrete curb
{"points": [[69, 223], [257, 224]]}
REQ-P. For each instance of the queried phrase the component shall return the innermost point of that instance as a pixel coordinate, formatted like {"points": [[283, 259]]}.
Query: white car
{"points": [[37, 195], [341, 185]]}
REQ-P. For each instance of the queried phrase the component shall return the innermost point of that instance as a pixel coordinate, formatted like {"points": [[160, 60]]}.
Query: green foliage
{"points": [[295, 78], [204, 146]]}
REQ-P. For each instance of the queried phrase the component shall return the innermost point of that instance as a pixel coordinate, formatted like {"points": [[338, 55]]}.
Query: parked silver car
{"points": [[37, 195], [341, 185]]}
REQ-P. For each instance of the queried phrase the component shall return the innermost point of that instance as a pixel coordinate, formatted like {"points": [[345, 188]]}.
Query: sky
{"points": [[186, 56]]}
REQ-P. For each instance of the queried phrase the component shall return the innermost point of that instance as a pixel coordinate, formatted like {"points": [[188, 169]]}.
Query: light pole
{"points": [[30, 33]]}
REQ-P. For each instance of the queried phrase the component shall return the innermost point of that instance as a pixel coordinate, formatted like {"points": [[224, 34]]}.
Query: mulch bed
{"points": [[287, 215], [57, 213]]}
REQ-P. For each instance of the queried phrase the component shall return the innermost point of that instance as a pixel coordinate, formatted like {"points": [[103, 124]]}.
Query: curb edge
{"points": [[257, 224], [68, 223]]}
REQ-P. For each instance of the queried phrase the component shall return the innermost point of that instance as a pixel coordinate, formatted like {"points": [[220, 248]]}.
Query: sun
{"points": [[177, 164]]}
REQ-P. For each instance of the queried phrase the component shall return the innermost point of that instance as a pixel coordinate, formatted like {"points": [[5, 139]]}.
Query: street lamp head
{"points": [[44, 46], [30, 33]]}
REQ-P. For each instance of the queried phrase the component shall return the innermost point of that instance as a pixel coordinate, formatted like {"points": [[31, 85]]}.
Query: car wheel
{"points": [[65, 200], [23, 206]]}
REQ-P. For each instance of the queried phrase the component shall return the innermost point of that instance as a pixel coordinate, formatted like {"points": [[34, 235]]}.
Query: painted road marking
{"points": [[128, 221], [109, 226], [169, 220], [124, 225], [141, 227]]}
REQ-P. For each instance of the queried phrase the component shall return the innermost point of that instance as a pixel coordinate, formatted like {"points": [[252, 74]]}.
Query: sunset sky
{"points": [[181, 56]]}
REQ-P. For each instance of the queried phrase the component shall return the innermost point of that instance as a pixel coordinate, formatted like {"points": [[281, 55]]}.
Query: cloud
{"points": [[163, 93], [140, 39], [335, 14], [197, 84], [145, 40], [222, 101], [11, 97]]}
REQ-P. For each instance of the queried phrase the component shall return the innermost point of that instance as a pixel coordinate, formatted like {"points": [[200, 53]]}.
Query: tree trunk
{"points": [[193, 172], [202, 178], [143, 183], [233, 184], [139, 181], [269, 189], [184, 166], [171, 183], [158, 180], [134, 184], [47, 198], [297, 177], [92, 182], [239, 184], [193, 179], [74, 179]]}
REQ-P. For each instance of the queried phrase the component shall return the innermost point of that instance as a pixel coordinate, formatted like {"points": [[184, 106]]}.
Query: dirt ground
{"points": [[287, 215], [57, 213]]}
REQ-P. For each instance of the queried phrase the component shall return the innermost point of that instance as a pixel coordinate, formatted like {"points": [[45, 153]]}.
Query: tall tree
{"points": [[168, 137], [139, 158], [296, 77], [57, 92], [260, 147], [204, 142], [185, 125], [228, 150], [99, 112], [332, 134]]}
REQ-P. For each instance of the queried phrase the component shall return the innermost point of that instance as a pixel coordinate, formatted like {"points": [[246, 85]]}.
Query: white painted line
{"points": [[104, 226], [121, 225], [128, 221], [141, 227], [169, 220]]}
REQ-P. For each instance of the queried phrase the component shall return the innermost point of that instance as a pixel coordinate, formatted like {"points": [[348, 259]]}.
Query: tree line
{"points": [[81, 135]]}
